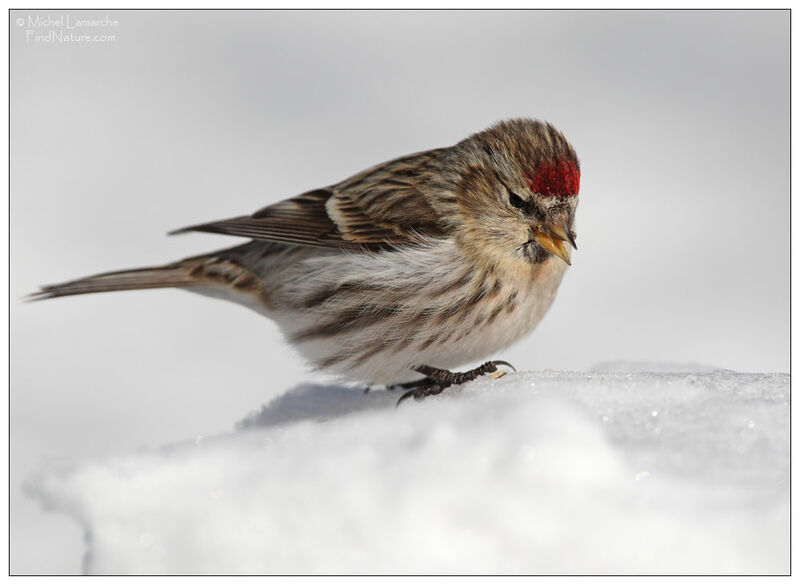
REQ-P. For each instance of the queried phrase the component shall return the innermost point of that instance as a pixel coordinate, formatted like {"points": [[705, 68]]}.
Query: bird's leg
{"points": [[437, 380]]}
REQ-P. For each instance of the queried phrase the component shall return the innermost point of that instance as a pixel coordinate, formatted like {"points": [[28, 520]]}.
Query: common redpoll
{"points": [[421, 263]]}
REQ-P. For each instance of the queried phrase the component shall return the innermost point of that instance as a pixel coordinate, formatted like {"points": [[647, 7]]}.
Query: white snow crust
{"points": [[614, 471]]}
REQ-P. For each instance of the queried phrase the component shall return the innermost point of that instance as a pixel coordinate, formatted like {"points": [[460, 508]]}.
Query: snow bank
{"points": [[547, 472]]}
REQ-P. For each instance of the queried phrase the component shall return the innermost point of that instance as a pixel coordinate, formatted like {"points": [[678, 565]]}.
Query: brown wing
{"points": [[378, 207]]}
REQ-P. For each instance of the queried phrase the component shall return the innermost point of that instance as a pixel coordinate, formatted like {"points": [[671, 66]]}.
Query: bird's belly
{"points": [[473, 341], [444, 314]]}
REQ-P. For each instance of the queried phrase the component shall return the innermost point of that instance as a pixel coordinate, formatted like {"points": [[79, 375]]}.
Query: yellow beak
{"points": [[556, 239]]}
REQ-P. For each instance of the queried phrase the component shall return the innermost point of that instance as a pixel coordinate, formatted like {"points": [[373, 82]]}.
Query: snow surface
{"points": [[546, 472]]}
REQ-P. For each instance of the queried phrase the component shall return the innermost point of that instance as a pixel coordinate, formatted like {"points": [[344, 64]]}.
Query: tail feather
{"points": [[224, 269], [172, 275]]}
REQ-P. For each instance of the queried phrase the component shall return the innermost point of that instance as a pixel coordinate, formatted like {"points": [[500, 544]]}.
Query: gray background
{"points": [[680, 120]]}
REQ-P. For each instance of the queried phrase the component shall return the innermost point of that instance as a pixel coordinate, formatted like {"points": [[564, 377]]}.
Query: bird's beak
{"points": [[556, 239]]}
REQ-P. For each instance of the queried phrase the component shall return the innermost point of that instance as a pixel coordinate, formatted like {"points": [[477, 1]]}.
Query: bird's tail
{"points": [[171, 275], [211, 270]]}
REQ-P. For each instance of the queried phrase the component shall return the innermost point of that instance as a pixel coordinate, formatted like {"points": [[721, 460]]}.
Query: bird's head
{"points": [[516, 191]]}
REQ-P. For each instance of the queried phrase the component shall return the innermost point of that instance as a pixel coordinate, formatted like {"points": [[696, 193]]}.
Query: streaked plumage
{"points": [[441, 257]]}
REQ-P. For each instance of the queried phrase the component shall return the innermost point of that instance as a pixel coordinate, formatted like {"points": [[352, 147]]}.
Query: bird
{"points": [[405, 270]]}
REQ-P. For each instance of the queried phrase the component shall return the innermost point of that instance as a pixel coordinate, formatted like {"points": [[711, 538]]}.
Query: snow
{"points": [[617, 470]]}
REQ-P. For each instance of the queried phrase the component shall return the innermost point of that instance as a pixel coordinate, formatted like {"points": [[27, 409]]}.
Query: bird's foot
{"points": [[437, 380]]}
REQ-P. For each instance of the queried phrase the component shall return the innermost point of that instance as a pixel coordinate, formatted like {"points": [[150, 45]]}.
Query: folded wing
{"points": [[382, 206]]}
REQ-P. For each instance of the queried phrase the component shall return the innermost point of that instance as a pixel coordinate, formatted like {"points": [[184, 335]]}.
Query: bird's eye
{"points": [[515, 200]]}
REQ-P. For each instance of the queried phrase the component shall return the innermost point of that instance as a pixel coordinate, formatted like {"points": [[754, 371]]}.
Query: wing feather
{"points": [[381, 206]]}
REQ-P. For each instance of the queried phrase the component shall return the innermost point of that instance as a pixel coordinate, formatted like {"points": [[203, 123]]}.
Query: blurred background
{"points": [[680, 118]]}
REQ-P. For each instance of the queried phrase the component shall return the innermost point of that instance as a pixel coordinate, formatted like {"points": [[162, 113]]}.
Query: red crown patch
{"points": [[556, 177]]}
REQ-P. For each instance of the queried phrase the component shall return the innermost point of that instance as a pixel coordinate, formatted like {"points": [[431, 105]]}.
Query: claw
{"points": [[403, 397], [503, 363], [421, 392]]}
